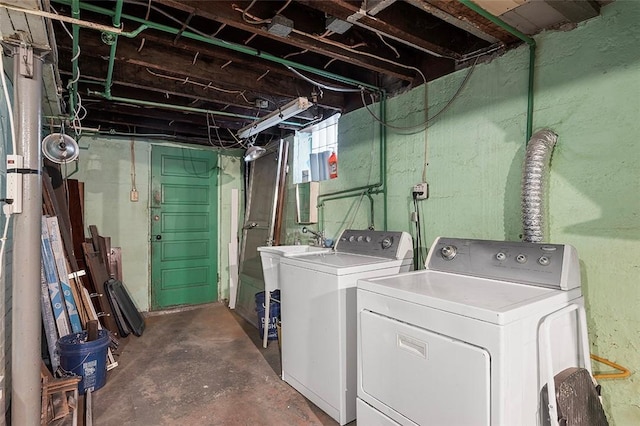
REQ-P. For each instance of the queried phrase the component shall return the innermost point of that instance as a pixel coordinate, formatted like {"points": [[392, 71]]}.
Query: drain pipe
{"points": [[532, 55], [377, 188], [534, 184], [112, 52], [26, 320], [383, 156]]}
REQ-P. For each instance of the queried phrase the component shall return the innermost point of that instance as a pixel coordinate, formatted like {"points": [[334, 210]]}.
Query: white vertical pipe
{"points": [[26, 317]]}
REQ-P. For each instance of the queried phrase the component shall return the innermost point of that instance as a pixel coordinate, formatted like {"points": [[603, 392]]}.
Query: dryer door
{"points": [[424, 377]]}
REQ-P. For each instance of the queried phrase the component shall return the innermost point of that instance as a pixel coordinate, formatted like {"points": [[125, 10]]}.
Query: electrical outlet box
{"points": [[133, 196], [14, 182], [421, 191]]}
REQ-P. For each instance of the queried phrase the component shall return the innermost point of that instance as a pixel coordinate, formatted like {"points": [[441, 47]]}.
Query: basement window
{"points": [[313, 149]]}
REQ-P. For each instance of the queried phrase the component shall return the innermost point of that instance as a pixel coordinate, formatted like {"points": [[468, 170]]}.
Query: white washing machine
{"points": [[469, 341], [318, 314]]}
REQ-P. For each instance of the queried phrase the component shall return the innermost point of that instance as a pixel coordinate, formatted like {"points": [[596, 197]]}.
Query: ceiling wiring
{"points": [[206, 86], [321, 85], [146, 18], [422, 126], [80, 111], [323, 38], [256, 20], [389, 45]]}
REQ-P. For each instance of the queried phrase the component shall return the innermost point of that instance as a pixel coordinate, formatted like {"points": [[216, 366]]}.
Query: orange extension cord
{"points": [[623, 371]]}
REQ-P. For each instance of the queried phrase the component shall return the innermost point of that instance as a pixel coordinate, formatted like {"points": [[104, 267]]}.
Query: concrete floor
{"points": [[202, 366]]}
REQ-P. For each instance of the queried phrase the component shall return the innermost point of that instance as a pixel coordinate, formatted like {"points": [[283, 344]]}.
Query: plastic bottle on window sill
{"points": [[333, 166]]}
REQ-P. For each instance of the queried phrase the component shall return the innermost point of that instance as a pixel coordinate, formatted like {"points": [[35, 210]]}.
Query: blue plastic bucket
{"points": [[86, 359], [274, 314]]}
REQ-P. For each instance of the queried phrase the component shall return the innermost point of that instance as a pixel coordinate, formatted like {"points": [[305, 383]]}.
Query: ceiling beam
{"points": [[346, 11], [199, 79], [374, 7], [464, 14], [463, 24], [222, 12]]}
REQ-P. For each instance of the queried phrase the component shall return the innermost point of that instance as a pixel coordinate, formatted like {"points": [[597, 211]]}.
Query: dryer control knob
{"points": [[449, 252], [501, 256], [387, 242], [544, 260]]}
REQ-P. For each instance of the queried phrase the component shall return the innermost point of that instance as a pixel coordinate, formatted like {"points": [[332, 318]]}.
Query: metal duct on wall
{"points": [[534, 184]]}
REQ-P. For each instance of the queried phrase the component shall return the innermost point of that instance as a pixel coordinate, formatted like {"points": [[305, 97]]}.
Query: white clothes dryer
{"points": [[469, 341], [318, 314]]}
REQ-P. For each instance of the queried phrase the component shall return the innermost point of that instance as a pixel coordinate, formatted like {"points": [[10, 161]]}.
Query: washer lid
{"points": [[342, 263], [498, 302]]}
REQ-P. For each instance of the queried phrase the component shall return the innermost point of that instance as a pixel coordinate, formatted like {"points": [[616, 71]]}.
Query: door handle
{"points": [[158, 237]]}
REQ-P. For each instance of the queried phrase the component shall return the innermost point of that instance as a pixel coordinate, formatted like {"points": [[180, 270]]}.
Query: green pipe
{"points": [[532, 62], [178, 107], [371, 211], [376, 188], [532, 55], [368, 193], [383, 156], [112, 53], [224, 44]]}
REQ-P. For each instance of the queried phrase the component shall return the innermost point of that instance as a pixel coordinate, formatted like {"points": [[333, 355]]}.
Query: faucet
{"points": [[318, 236]]}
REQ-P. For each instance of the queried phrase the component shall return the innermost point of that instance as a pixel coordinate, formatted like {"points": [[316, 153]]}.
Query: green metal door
{"points": [[184, 205]]}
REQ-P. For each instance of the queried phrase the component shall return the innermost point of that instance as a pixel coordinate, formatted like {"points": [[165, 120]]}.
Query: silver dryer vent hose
{"points": [[534, 183]]}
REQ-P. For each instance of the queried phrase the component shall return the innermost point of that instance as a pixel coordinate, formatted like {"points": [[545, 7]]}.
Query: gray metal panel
{"points": [[519, 262]]}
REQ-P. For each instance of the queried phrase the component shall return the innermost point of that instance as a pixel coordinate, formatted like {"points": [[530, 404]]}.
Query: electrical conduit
{"points": [[178, 107], [532, 56], [377, 188]]}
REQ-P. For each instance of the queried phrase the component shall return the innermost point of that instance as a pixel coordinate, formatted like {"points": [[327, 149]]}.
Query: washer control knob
{"points": [[449, 252], [352, 239], [368, 239], [360, 238], [501, 256], [521, 258], [544, 260], [387, 242]]}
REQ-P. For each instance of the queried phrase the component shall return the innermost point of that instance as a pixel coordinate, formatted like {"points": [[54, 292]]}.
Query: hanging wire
{"points": [[206, 86], [321, 85], [422, 126], [257, 21], [388, 45]]}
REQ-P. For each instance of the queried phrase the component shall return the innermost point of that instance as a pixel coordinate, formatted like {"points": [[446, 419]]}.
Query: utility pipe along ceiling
{"points": [[198, 71]]}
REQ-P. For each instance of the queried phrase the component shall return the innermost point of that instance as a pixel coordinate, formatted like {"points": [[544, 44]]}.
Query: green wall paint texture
{"points": [[587, 89], [105, 167]]}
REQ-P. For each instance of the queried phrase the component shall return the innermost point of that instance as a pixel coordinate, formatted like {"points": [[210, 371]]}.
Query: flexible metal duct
{"points": [[534, 183]]}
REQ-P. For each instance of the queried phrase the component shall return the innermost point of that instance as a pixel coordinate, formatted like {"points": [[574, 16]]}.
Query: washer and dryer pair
{"points": [[472, 340]]}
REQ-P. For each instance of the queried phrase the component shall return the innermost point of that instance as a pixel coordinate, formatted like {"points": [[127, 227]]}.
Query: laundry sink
{"points": [[293, 250], [270, 257]]}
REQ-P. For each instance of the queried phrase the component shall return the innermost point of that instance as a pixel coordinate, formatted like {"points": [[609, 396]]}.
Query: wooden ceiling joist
{"points": [[348, 12], [224, 14]]}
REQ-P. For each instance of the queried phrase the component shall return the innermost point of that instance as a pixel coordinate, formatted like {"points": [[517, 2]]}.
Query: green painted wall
{"points": [[105, 168], [587, 89]]}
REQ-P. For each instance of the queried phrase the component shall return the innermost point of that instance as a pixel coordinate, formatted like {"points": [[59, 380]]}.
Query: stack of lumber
{"points": [[74, 272]]}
